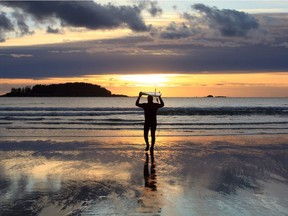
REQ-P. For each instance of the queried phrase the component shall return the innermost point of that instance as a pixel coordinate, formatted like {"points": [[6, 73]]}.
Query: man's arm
{"points": [[161, 102], [138, 99]]}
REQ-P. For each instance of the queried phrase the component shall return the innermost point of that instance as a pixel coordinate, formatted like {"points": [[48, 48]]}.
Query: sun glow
{"points": [[148, 80]]}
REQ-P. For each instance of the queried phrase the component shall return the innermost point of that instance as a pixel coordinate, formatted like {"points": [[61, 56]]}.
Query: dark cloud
{"points": [[73, 59], [154, 9], [228, 22], [150, 6], [209, 21], [53, 30], [23, 27], [86, 14], [177, 31], [5, 25]]}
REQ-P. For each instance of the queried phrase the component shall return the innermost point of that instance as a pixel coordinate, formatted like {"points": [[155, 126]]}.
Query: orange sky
{"points": [[179, 85]]}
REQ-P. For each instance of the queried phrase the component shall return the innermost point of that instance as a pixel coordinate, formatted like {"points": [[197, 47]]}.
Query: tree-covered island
{"points": [[77, 89]]}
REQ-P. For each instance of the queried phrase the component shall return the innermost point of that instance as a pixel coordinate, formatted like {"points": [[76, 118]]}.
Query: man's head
{"points": [[150, 99]]}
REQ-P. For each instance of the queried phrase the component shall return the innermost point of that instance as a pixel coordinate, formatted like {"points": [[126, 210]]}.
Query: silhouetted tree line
{"points": [[62, 90]]}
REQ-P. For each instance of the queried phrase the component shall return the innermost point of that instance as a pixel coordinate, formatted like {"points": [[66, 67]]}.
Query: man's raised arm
{"points": [[161, 102], [138, 99]]}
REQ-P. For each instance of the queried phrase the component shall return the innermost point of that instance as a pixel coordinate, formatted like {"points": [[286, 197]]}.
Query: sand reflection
{"points": [[150, 202], [150, 177], [185, 177]]}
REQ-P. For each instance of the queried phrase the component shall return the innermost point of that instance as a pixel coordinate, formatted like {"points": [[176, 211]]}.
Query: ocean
{"points": [[118, 117]]}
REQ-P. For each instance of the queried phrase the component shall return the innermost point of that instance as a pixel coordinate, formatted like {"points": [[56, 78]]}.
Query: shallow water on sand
{"points": [[246, 175]]}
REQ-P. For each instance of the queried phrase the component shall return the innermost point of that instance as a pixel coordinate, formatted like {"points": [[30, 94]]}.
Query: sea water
{"points": [[113, 117]]}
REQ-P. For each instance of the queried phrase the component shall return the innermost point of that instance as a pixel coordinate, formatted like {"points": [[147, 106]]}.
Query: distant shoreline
{"points": [[4, 96], [77, 89]]}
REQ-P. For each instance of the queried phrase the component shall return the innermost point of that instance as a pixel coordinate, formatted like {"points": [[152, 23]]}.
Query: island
{"points": [[77, 89], [211, 96]]}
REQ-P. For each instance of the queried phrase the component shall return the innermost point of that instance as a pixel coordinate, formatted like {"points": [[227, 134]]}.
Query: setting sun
{"points": [[153, 80]]}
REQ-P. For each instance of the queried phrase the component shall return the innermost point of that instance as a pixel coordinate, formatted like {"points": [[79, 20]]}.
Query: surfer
{"points": [[150, 112]]}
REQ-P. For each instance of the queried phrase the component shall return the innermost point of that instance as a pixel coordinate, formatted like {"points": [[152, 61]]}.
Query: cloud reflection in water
{"points": [[61, 178]]}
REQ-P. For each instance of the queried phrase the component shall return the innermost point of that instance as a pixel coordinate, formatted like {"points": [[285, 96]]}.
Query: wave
{"points": [[172, 111], [171, 120], [73, 114], [187, 129], [64, 109], [225, 111], [140, 122]]}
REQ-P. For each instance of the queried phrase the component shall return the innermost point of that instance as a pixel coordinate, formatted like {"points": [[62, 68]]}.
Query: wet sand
{"points": [[241, 175]]}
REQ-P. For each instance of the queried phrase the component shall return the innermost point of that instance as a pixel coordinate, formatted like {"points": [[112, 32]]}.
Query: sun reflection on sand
{"points": [[184, 176], [151, 200], [40, 168]]}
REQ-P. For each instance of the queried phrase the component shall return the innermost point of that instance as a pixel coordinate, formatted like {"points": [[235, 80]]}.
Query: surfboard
{"points": [[154, 94]]}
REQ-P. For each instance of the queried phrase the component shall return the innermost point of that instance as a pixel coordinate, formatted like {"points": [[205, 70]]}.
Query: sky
{"points": [[181, 48]]}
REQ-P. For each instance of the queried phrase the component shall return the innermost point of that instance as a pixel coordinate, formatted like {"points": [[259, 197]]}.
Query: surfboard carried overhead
{"points": [[154, 94]]}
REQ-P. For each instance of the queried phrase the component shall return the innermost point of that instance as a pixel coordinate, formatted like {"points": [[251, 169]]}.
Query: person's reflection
{"points": [[150, 176]]}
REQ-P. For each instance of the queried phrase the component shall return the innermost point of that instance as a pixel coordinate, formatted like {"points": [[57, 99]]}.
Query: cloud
{"points": [[151, 7], [87, 14], [5, 25], [53, 30], [16, 55], [113, 57], [154, 9], [228, 22], [21, 23], [177, 31], [209, 21]]}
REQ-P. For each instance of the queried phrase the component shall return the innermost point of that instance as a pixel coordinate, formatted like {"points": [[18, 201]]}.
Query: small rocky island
{"points": [[211, 96], [77, 89]]}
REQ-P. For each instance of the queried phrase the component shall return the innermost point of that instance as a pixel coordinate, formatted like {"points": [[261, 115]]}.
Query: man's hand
{"points": [[140, 94]]}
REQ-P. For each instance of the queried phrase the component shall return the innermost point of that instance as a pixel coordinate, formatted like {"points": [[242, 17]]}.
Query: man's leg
{"points": [[153, 131], [146, 131]]}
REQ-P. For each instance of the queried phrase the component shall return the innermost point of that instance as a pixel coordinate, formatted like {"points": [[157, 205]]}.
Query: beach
{"points": [[223, 157], [244, 175]]}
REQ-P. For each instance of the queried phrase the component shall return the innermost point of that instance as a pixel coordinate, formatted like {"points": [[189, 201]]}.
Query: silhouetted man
{"points": [[150, 112]]}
